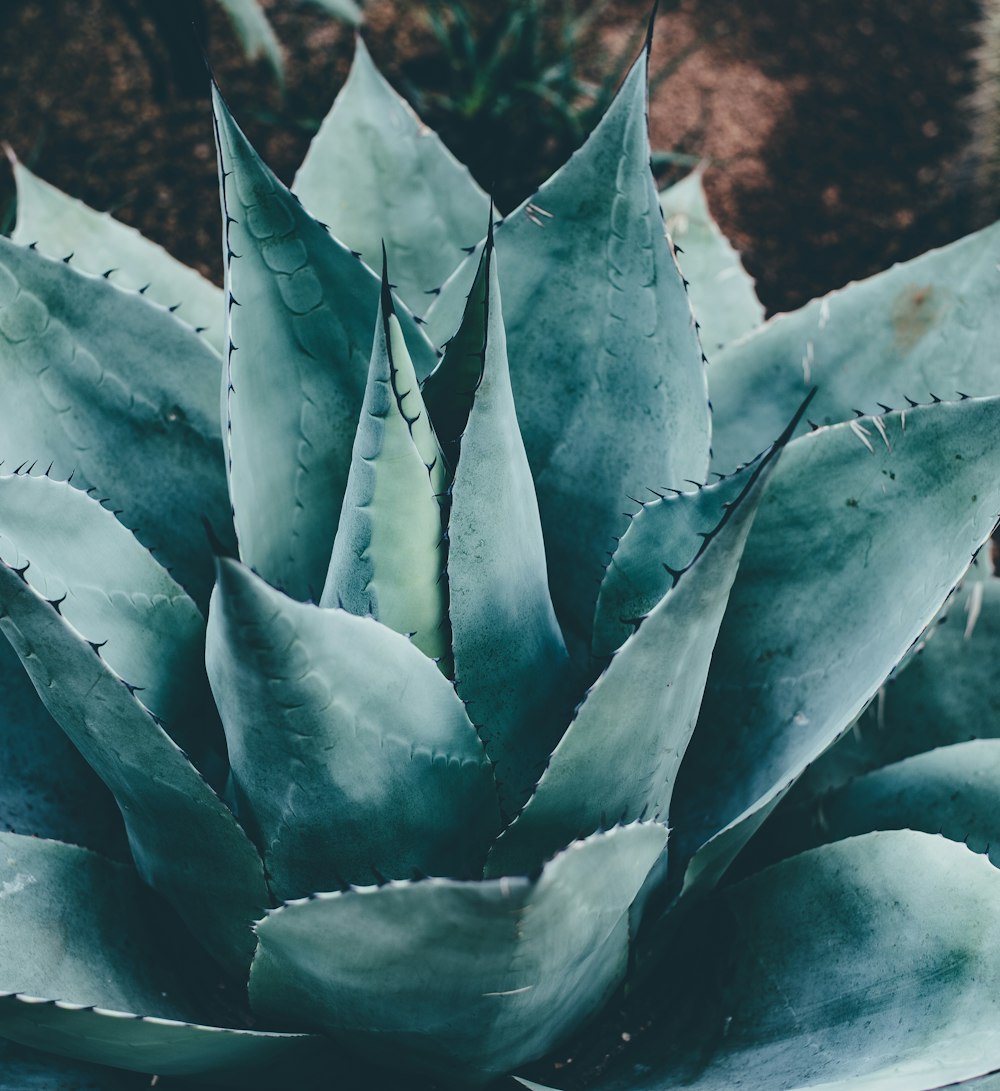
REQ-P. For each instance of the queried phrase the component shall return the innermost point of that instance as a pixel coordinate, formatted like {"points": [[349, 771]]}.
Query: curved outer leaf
{"points": [[588, 256], [483, 976], [354, 755], [511, 666], [389, 554], [90, 371], [59, 225], [930, 324], [300, 317], [842, 968], [28, 1070], [73, 927], [954, 790], [375, 173], [722, 292], [849, 518], [619, 758], [75, 553], [255, 33], [185, 842], [46, 788], [948, 693]]}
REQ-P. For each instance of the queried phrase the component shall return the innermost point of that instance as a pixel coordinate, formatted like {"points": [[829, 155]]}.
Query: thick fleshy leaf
{"points": [[353, 754], [483, 976], [46, 788], [722, 292], [954, 790], [185, 841], [74, 553], [863, 532], [301, 309], [511, 666], [616, 401], [24, 1069], [91, 371], [376, 174], [871, 964], [929, 325], [75, 935], [255, 33], [61, 225], [389, 554], [619, 758], [948, 693]]}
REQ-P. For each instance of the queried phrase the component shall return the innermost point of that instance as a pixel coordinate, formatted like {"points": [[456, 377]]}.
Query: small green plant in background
{"points": [[439, 746]]}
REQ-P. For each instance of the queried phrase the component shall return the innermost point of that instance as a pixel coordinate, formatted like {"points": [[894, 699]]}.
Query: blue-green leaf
{"points": [[511, 665], [927, 326], [869, 965], [301, 309], [352, 752], [375, 174], [482, 976], [615, 401], [91, 371], [851, 514], [31, 1070]]}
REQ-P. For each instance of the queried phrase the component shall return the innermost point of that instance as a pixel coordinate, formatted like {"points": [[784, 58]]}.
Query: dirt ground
{"points": [[836, 131]]}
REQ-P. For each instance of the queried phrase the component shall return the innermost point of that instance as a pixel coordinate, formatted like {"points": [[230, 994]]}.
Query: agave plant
{"points": [[397, 744]]}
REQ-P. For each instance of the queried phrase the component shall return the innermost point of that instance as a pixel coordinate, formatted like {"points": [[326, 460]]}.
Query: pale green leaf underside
{"points": [[619, 758], [46, 788], [848, 967], [483, 976], [300, 318], [61, 225], [948, 693], [353, 753], [851, 513], [375, 174], [929, 325], [185, 841], [511, 665], [91, 371], [722, 293], [587, 256], [255, 33], [23, 1069], [110, 589], [389, 553]]}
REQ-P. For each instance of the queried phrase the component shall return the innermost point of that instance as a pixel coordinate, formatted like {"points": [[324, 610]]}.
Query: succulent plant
{"points": [[396, 745]]}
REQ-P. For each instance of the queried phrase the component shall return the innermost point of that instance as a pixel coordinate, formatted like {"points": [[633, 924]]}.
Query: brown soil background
{"points": [[837, 132]]}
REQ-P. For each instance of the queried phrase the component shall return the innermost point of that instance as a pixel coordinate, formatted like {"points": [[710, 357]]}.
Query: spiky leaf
{"points": [[301, 309], [24, 1069], [60, 225], [389, 554], [353, 754], [927, 326], [842, 968], [722, 293], [483, 976], [90, 372], [375, 174], [511, 666], [587, 256], [852, 512], [255, 33]]}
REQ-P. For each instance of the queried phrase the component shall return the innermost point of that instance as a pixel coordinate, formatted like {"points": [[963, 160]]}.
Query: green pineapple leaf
{"points": [[59, 225], [92, 372], [354, 756], [301, 311], [847, 967], [606, 364], [507, 967], [511, 666], [927, 326], [389, 553], [721, 291], [375, 174], [852, 512]]}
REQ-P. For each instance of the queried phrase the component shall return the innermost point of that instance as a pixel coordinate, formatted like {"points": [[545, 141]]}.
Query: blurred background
{"points": [[839, 136]]}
